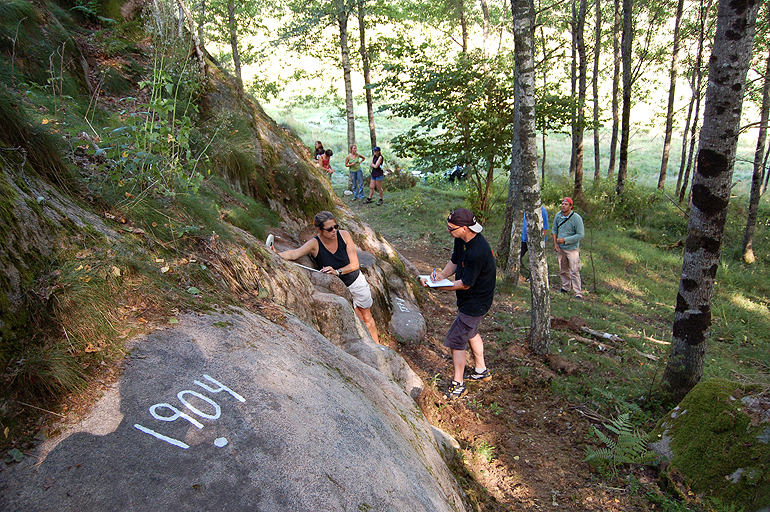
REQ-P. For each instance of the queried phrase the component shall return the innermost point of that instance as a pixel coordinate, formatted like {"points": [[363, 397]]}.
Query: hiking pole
{"points": [[270, 242]]}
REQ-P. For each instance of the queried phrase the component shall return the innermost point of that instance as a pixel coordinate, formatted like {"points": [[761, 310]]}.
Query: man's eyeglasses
{"points": [[331, 228], [452, 229]]}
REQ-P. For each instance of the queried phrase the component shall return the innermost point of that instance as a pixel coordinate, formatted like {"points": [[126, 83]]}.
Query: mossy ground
{"points": [[717, 446]]}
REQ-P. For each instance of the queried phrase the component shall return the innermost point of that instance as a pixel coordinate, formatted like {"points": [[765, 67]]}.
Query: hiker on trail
{"points": [[524, 247], [567, 232], [334, 252], [473, 265], [377, 175], [353, 162], [319, 149], [326, 164]]}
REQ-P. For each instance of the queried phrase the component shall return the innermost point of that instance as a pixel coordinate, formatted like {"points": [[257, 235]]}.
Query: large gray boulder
{"points": [[232, 411]]}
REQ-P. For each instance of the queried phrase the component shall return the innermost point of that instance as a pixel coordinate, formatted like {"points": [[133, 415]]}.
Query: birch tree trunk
{"points": [[595, 88], [342, 20], [524, 37], [730, 58], [232, 24], [697, 87], [510, 237], [367, 76], [581, 105], [625, 129], [759, 171], [671, 97], [573, 91], [616, 30]]}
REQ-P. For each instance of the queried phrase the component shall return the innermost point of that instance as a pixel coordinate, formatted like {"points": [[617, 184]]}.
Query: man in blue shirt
{"points": [[567, 232]]}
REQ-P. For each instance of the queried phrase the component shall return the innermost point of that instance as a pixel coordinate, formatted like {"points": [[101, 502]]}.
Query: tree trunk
{"points": [[581, 104], [616, 30], [573, 92], [524, 38], [625, 129], [685, 136], [545, 88], [367, 77], [697, 89], [756, 181], [510, 236], [232, 23], [202, 23], [485, 14], [463, 25], [595, 87], [730, 58], [196, 43], [671, 97], [342, 19]]}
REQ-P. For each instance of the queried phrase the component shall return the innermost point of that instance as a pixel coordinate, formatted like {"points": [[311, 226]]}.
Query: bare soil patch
{"points": [[522, 445]]}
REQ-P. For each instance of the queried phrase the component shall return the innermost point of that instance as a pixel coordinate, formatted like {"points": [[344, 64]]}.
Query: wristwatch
{"points": [[339, 272]]}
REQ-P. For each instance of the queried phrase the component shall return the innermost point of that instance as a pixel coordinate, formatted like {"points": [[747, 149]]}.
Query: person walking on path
{"points": [[473, 265], [567, 232], [377, 175], [334, 252], [524, 248], [353, 163]]}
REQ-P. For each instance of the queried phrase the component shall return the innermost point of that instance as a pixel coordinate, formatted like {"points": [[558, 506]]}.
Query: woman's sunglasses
{"points": [[331, 228]]}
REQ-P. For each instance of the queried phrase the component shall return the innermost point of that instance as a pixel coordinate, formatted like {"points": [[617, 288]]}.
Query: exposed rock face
{"points": [[231, 411], [717, 443]]}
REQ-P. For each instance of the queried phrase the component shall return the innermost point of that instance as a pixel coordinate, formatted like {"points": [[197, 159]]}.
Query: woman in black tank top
{"points": [[334, 252]]}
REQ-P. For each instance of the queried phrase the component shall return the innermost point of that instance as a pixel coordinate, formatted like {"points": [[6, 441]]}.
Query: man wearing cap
{"points": [[377, 175], [473, 265], [567, 233]]}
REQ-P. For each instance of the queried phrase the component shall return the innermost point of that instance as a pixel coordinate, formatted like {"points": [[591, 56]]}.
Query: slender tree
{"points": [[342, 15], [595, 88], [524, 37], [367, 74], [625, 127], [232, 23], [581, 102], [573, 88], [617, 29], [671, 96], [696, 85], [729, 63], [759, 171]]}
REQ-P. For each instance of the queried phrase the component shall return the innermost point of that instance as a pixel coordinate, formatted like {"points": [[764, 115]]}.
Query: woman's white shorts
{"points": [[362, 295]]}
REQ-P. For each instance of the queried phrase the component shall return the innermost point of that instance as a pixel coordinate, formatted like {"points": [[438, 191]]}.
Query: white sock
{"points": [[480, 371]]}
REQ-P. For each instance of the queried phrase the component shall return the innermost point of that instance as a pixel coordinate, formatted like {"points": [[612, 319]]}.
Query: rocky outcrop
{"points": [[232, 411]]}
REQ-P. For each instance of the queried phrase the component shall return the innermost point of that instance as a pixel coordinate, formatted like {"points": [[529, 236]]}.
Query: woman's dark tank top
{"points": [[337, 260]]}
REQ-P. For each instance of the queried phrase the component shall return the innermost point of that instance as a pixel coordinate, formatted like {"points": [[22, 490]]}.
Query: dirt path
{"points": [[521, 442]]}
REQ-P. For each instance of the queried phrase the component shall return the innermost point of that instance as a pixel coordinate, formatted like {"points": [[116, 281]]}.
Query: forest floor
{"points": [[522, 446]]}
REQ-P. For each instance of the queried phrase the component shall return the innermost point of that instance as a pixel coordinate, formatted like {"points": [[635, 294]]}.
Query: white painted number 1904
{"points": [[176, 413]]}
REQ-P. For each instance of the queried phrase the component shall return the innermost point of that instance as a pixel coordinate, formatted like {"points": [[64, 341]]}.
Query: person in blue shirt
{"points": [[524, 271], [568, 231]]}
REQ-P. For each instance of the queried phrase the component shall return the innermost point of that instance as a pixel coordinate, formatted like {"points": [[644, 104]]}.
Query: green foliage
{"points": [[47, 370], [152, 150], [464, 112], [400, 179], [628, 447]]}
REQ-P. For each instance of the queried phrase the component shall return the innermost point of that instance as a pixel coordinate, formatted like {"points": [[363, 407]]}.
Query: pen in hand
{"points": [[433, 275]]}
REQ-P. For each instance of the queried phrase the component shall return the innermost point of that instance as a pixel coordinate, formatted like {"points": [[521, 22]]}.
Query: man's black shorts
{"points": [[463, 328]]}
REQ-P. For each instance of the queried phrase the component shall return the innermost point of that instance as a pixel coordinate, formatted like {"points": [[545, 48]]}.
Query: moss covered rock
{"points": [[717, 444]]}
